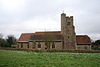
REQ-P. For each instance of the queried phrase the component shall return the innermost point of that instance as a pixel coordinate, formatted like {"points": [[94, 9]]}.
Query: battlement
{"points": [[69, 17]]}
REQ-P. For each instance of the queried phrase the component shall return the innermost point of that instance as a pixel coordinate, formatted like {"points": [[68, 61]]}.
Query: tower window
{"points": [[68, 23], [68, 37]]}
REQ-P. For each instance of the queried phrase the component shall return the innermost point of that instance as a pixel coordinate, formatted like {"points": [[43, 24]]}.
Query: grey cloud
{"points": [[86, 14]]}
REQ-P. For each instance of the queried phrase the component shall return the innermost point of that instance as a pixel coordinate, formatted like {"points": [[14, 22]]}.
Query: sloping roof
{"points": [[46, 37], [83, 39], [49, 32], [80, 39], [49, 35], [25, 37]]}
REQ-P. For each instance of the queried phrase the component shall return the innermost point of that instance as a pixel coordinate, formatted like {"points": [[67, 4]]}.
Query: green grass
{"points": [[56, 59]]}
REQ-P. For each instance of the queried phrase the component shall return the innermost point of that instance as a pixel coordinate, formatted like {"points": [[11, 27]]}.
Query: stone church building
{"points": [[66, 39]]}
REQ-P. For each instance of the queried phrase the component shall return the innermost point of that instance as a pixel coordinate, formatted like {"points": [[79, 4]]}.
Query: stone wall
{"points": [[22, 45], [40, 45], [84, 47], [68, 31]]}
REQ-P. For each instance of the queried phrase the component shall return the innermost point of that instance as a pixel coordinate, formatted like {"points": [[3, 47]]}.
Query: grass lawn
{"points": [[10, 58]]}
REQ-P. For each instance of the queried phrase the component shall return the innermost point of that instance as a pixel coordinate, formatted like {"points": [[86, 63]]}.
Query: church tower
{"points": [[68, 32]]}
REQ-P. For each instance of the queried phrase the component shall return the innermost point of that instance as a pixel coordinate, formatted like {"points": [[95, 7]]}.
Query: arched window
{"points": [[39, 45], [53, 45], [68, 37], [21, 45], [27, 45]]}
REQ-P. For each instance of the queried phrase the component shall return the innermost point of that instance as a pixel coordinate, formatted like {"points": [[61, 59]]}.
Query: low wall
{"points": [[72, 51]]}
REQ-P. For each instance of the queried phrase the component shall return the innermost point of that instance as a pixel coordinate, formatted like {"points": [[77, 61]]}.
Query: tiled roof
{"points": [[80, 39], [46, 37], [39, 36], [83, 39], [48, 32], [25, 37]]}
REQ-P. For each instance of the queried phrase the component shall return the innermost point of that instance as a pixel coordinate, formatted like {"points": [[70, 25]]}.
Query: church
{"points": [[66, 39]]}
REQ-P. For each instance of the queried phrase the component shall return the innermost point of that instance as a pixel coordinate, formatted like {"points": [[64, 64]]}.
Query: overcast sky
{"points": [[27, 16]]}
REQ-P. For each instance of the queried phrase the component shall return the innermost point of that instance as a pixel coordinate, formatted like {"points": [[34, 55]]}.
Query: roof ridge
{"points": [[27, 33]]}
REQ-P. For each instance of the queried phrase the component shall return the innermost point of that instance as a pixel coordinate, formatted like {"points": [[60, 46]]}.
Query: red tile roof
{"points": [[25, 37], [83, 39], [47, 36], [40, 36]]}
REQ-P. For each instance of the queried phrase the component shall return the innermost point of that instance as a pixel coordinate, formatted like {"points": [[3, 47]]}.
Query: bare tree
{"points": [[1, 35], [11, 40]]}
